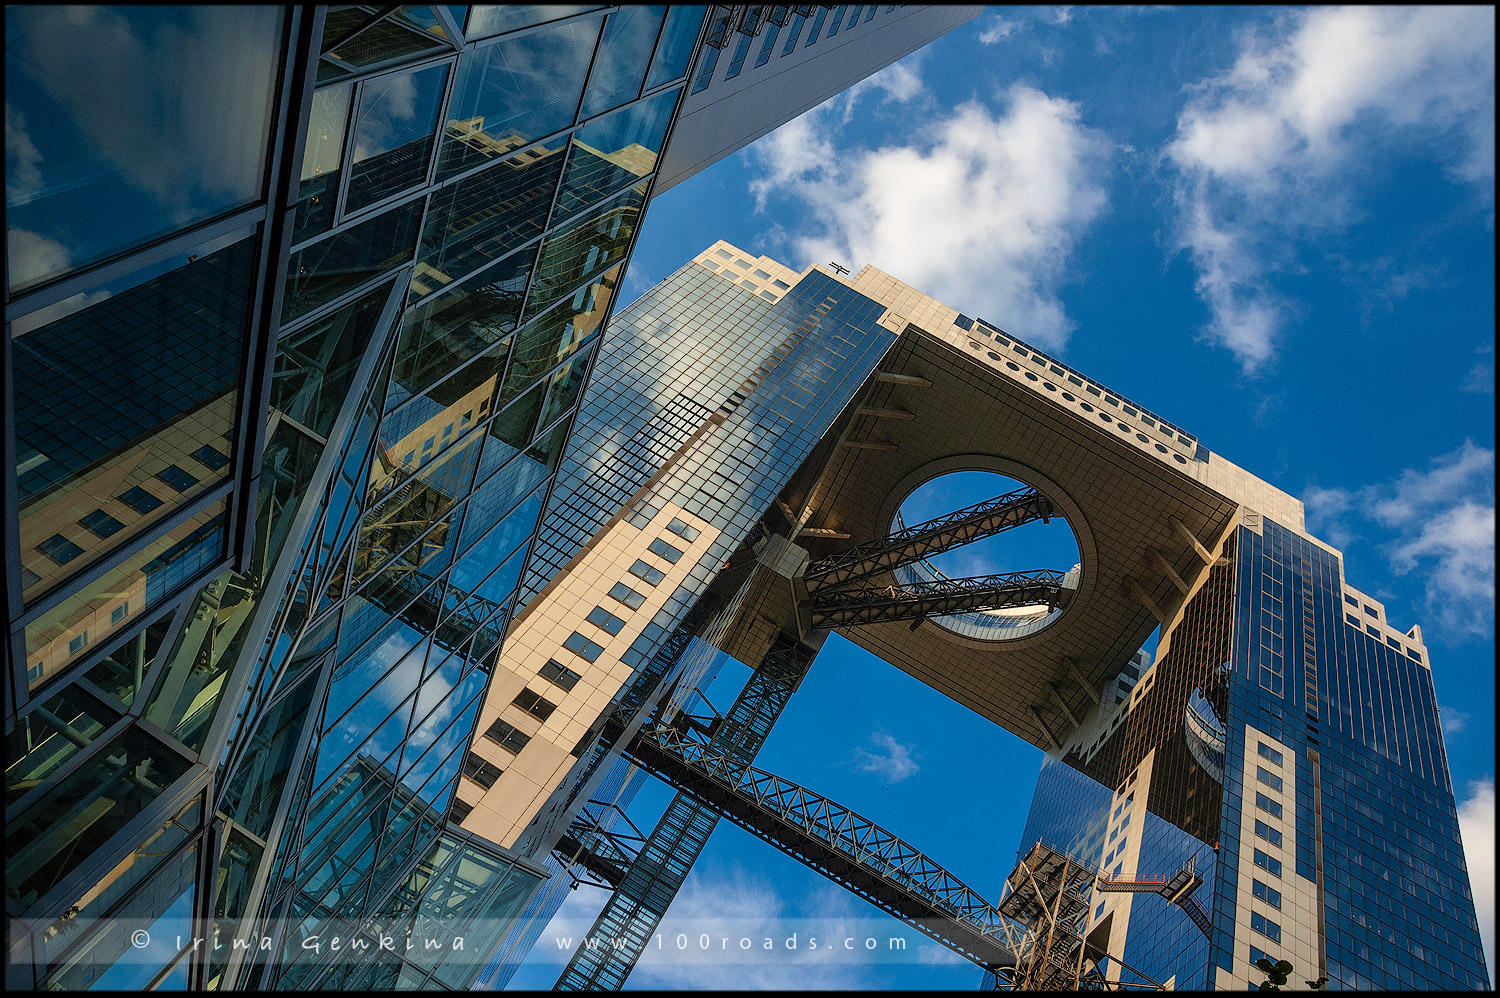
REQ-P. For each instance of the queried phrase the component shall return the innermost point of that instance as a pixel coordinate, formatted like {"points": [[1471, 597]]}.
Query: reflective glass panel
{"points": [[564, 387], [553, 338], [624, 56], [322, 161], [675, 49], [494, 19], [408, 32], [489, 214], [79, 624], [315, 364], [122, 671], [113, 389], [614, 152], [584, 248], [49, 736], [513, 92], [322, 271], [54, 835], [255, 788], [103, 150], [393, 134]]}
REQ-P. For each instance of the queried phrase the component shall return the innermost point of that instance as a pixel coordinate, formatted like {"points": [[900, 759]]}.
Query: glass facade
{"points": [[289, 375], [1295, 760]]}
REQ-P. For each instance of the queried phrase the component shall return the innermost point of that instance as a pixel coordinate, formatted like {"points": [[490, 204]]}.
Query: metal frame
{"points": [[850, 607]]}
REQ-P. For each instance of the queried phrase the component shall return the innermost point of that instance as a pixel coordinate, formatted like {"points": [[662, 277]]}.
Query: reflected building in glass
{"points": [[284, 398]]}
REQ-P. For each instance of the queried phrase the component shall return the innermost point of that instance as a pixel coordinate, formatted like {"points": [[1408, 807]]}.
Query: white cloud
{"points": [[1481, 377], [1440, 522], [1062, 15], [979, 209], [999, 29], [1453, 720], [900, 82], [891, 759], [1266, 154], [1476, 823]]}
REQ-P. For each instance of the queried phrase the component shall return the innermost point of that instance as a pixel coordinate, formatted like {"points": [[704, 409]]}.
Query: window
{"points": [[534, 704], [1266, 893], [1267, 752], [483, 773], [583, 647], [1268, 778], [964, 322], [682, 530], [78, 643], [1268, 833], [119, 613], [210, 458], [817, 25], [139, 499], [1267, 804], [1256, 955], [1271, 866], [460, 812], [762, 275], [724, 253], [59, 549], [601, 617], [662, 549], [507, 736], [641, 570], [559, 676], [626, 595], [1370, 612], [101, 523], [1265, 926], [783, 285], [1350, 600], [177, 478]]}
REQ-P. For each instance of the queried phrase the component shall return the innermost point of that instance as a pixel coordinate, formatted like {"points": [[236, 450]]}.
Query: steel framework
{"points": [[847, 607], [962, 526]]}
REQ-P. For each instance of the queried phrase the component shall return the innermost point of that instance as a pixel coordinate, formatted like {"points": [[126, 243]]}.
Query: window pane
{"points": [[495, 19], [409, 31], [486, 216], [675, 50], [108, 141], [322, 161], [624, 56], [112, 394], [57, 833], [393, 134], [321, 272], [614, 152], [315, 364], [46, 738], [584, 248], [516, 91], [565, 386], [145, 578], [556, 336]]}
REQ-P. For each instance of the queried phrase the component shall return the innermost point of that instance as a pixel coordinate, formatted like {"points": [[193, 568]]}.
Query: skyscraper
{"points": [[300, 302], [1271, 782]]}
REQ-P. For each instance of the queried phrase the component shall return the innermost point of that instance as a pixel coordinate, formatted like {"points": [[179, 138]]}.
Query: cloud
{"points": [[1440, 522], [900, 82], [1476, 823], [999, 29], [1481, 377], [891, 760], [1453, 720], [980, 209], [1267, 154]]}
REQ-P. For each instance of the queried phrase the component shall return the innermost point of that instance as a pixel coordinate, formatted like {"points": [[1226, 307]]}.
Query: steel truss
{"points": [[962, 526], [846, 607], [846, 847]]}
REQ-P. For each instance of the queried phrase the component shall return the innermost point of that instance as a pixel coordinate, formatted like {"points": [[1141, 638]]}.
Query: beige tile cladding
{"points": [[503, 810]]}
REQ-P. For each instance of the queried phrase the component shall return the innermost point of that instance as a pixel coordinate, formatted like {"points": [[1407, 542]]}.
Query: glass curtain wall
{"points": [[284, 398]]}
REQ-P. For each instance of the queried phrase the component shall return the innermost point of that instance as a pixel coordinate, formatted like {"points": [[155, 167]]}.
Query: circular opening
{"points": [[993, 355], [1161, 448], [1031, 377], [1012, 365], [1179, 459], [1030, 546], [1068, 396], [973, 345], [1049, 386], [1143, 438], [1086, 407]]}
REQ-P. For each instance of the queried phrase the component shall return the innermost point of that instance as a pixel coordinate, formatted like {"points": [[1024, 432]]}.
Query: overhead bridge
{"points": [[962, 526], [849, 849], [852, 606]]}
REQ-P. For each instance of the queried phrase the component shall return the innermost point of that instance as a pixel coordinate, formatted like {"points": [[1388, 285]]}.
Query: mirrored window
{"points": [[102, 153], [516, 91], [675, 48], [322, 161], [393, 134], [116, 389], [319, 273], [584, 248], [400, 35], [624, 56], [614, 152], [315, 364]]}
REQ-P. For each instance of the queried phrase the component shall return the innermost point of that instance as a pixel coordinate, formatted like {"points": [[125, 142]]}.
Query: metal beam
{"points": [[868, 445], [902, 379], [1062, 701], [1192, 540], [886, 413], [1140, 594], [962, 526], [854, 606], [1051, 738]]}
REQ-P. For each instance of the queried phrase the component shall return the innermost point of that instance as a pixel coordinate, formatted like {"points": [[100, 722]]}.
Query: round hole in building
{"points": [[1049, 386], [1012, 365], [1143, 438], [1030, 546], [1031, 377]]}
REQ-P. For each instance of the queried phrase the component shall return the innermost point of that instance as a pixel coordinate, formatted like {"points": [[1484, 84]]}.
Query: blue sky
{"points": [[1273, 226]]}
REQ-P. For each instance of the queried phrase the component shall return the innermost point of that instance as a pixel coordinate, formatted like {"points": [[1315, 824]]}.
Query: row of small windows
{"points": [[1268, 833], [1267, 777], [1370, 611], [1267, 752], [483, 773], [1267, 805], [1266, 893], [1268, 863], [101, 524], [1266, 927], [507, 737]]}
